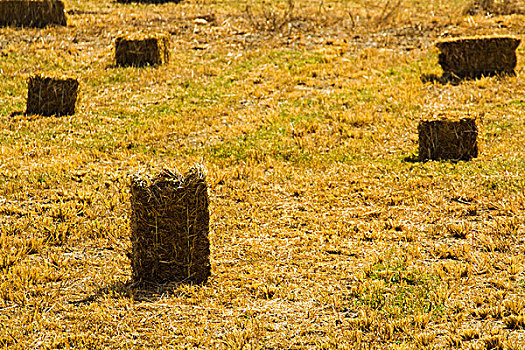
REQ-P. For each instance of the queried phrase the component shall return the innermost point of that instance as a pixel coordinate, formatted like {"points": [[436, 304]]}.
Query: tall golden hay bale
{"points": [[51, 95], [448, 139], [142, 51], [169, 228], [474, 57], [32, 13]]}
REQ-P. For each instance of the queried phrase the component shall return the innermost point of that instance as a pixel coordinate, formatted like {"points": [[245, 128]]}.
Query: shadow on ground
{"points": [[137, 291]]}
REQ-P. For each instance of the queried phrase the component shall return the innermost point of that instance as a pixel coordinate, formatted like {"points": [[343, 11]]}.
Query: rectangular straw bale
{"points": [[493, 7], [32, 13], [169, 228], [49, 95], [138, 52], [475, 57], [448, 139]]}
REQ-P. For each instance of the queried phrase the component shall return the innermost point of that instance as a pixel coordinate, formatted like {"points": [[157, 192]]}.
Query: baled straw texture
{"points": [[492, 7], [138, 52], [48, 96], [478, 56], [30, 13], [448, 139], [169, 228]]}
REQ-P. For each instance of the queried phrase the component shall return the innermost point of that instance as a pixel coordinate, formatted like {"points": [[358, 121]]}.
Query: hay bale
{"points": [[169, 228], [494, 7], [140, 51], [448, 139], [475, 57], [50, 95], [31, 13]]}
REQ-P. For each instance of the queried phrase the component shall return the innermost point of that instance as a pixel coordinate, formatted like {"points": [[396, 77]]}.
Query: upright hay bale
{"points": [[138, 52], [448, 139], [32, 13], [169, 228], [48, 95], [475, 57]]}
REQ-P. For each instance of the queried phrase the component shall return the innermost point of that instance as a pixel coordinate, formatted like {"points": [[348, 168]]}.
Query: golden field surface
{"points": [[325, 232]]}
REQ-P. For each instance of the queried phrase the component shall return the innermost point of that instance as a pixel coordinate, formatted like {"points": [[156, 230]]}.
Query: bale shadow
{"points": [[86, 12], [26, 116], [141, 292], [411, 158], [17, 113], [415, 159], [111, 66], [445, 78], [453, 79], [32, 116]]}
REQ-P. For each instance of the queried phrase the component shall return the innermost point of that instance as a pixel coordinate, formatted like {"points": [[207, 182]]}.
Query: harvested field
{"points": [[325, 230]]}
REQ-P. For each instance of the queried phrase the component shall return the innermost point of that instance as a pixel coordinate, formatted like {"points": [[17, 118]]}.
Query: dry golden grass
{"points": [[324, 231]]}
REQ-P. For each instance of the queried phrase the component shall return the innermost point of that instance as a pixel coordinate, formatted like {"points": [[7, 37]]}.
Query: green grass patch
{"points": [[395, 289]]}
